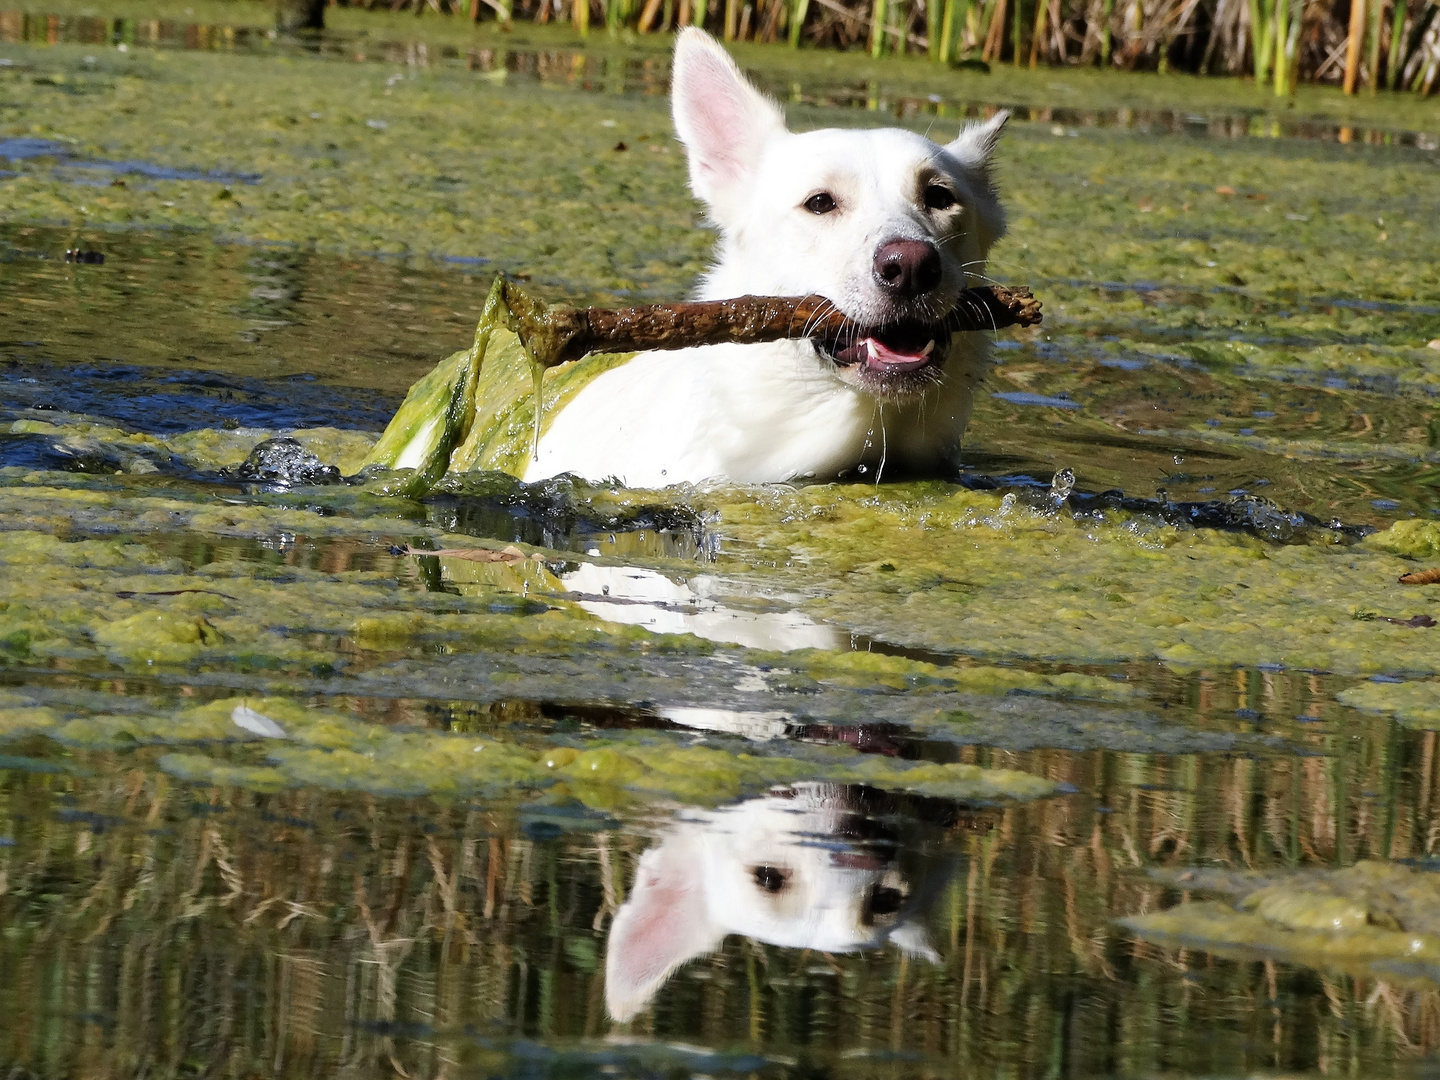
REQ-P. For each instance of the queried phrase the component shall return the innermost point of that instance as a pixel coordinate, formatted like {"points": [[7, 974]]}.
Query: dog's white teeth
{"points": [[928, 349]]}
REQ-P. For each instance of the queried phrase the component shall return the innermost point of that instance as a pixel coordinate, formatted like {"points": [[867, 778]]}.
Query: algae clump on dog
{"points": [[890, 227]]}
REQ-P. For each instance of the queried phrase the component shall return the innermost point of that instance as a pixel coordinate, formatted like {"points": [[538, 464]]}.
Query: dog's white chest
{"points": [[746, 413]]}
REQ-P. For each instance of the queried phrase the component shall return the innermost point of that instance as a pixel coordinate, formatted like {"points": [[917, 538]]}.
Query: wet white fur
{"points": [[776, 412]]}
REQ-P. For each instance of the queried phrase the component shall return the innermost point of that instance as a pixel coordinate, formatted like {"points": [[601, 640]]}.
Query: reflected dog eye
{"points": [[770, 878], [820, 203], [884, 901], [939, 197]]}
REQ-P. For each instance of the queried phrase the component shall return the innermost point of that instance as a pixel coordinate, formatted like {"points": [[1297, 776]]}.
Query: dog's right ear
{"points": [[723, 121], [663, 924]]}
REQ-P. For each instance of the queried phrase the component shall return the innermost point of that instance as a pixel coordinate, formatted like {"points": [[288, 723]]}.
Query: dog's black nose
{"points": [[907, 268]]}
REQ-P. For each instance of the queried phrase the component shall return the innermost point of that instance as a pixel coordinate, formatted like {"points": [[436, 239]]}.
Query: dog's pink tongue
{"points": [[880, 357]]}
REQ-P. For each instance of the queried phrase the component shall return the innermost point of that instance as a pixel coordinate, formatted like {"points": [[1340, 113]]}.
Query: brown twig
{"points": [[1422, 577], [558, 335]]}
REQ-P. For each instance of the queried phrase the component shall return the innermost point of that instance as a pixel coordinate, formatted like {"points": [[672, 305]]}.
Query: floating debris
{"points": [[257, 723]]}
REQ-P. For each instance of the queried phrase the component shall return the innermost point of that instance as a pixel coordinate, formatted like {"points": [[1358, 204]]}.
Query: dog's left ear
{"points": [[975, 146], [974, 149], [723, 121]]}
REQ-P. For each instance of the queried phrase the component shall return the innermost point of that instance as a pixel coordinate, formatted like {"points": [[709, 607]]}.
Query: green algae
{"points": [[1373, 916], [485, 409], [992, 578], [205, 449], [332, 751], [504, 429], [801, 670], [438, 412], [1414, 704], [1415, 539], [981, 576], [817, 72]]}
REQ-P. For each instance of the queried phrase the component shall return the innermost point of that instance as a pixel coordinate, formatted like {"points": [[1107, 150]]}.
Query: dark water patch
{"points": [[166, 402], [1018, 397], [562, 514], [183, 301], [63, 157], [1241, 511]]}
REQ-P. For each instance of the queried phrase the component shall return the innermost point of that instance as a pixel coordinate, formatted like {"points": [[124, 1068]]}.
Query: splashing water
{"points": [[1061, 486]]}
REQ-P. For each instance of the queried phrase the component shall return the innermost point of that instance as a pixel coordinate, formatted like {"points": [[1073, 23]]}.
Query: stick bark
{"points": [[558, 335]]}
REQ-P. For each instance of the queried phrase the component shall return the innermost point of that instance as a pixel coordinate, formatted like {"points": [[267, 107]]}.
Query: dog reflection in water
{"points": [[814, 866]]}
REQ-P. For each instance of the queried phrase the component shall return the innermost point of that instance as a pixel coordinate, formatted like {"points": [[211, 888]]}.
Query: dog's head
{"points": [[805, 867], [888, 225]]}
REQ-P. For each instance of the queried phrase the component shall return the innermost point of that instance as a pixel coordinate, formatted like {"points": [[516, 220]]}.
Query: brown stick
{"points": [[1422, 577], [558, 335]]}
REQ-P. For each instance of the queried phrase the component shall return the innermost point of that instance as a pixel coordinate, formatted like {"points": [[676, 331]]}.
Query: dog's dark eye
{"points": [[885, 901], [939, 197], [820, 203], [769, 878]]}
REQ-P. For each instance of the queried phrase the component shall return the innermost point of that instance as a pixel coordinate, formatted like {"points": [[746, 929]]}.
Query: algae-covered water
{"points": [[1001, 774]]}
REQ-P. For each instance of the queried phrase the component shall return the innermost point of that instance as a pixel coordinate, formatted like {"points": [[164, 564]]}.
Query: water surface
{"points": [[859, 779]]}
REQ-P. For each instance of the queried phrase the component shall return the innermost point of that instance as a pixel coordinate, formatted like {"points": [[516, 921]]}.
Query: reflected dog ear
{"points": [[663, 924], [721, 118]]}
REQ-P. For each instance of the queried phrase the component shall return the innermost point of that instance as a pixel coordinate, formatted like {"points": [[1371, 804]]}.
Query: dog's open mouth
{"points": [[891, 350]]}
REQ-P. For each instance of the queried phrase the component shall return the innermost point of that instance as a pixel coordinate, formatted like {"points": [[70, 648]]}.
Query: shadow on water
{"points": [[649, 74]]}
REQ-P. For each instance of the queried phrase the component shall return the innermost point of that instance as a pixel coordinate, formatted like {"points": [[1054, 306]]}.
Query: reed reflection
{"points": [[301, 933]]}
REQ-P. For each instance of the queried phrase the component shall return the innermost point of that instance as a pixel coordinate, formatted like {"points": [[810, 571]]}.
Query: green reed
{"points": [[1386, 44]]}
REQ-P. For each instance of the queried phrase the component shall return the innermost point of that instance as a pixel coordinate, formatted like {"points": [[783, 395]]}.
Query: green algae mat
{"points": [[1113, 754]]}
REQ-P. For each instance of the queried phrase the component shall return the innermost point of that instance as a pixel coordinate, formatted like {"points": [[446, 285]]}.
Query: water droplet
{"points": [[1061, 485]]}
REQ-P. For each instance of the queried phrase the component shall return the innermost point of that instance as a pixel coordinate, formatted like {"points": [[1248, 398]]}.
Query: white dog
{"points": [[886, 224], [806, 867]]}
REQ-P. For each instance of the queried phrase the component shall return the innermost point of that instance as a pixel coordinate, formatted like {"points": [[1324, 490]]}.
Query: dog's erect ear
{"points": [[723, 121], [974, 149], [663, 924], [975, 145]]}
